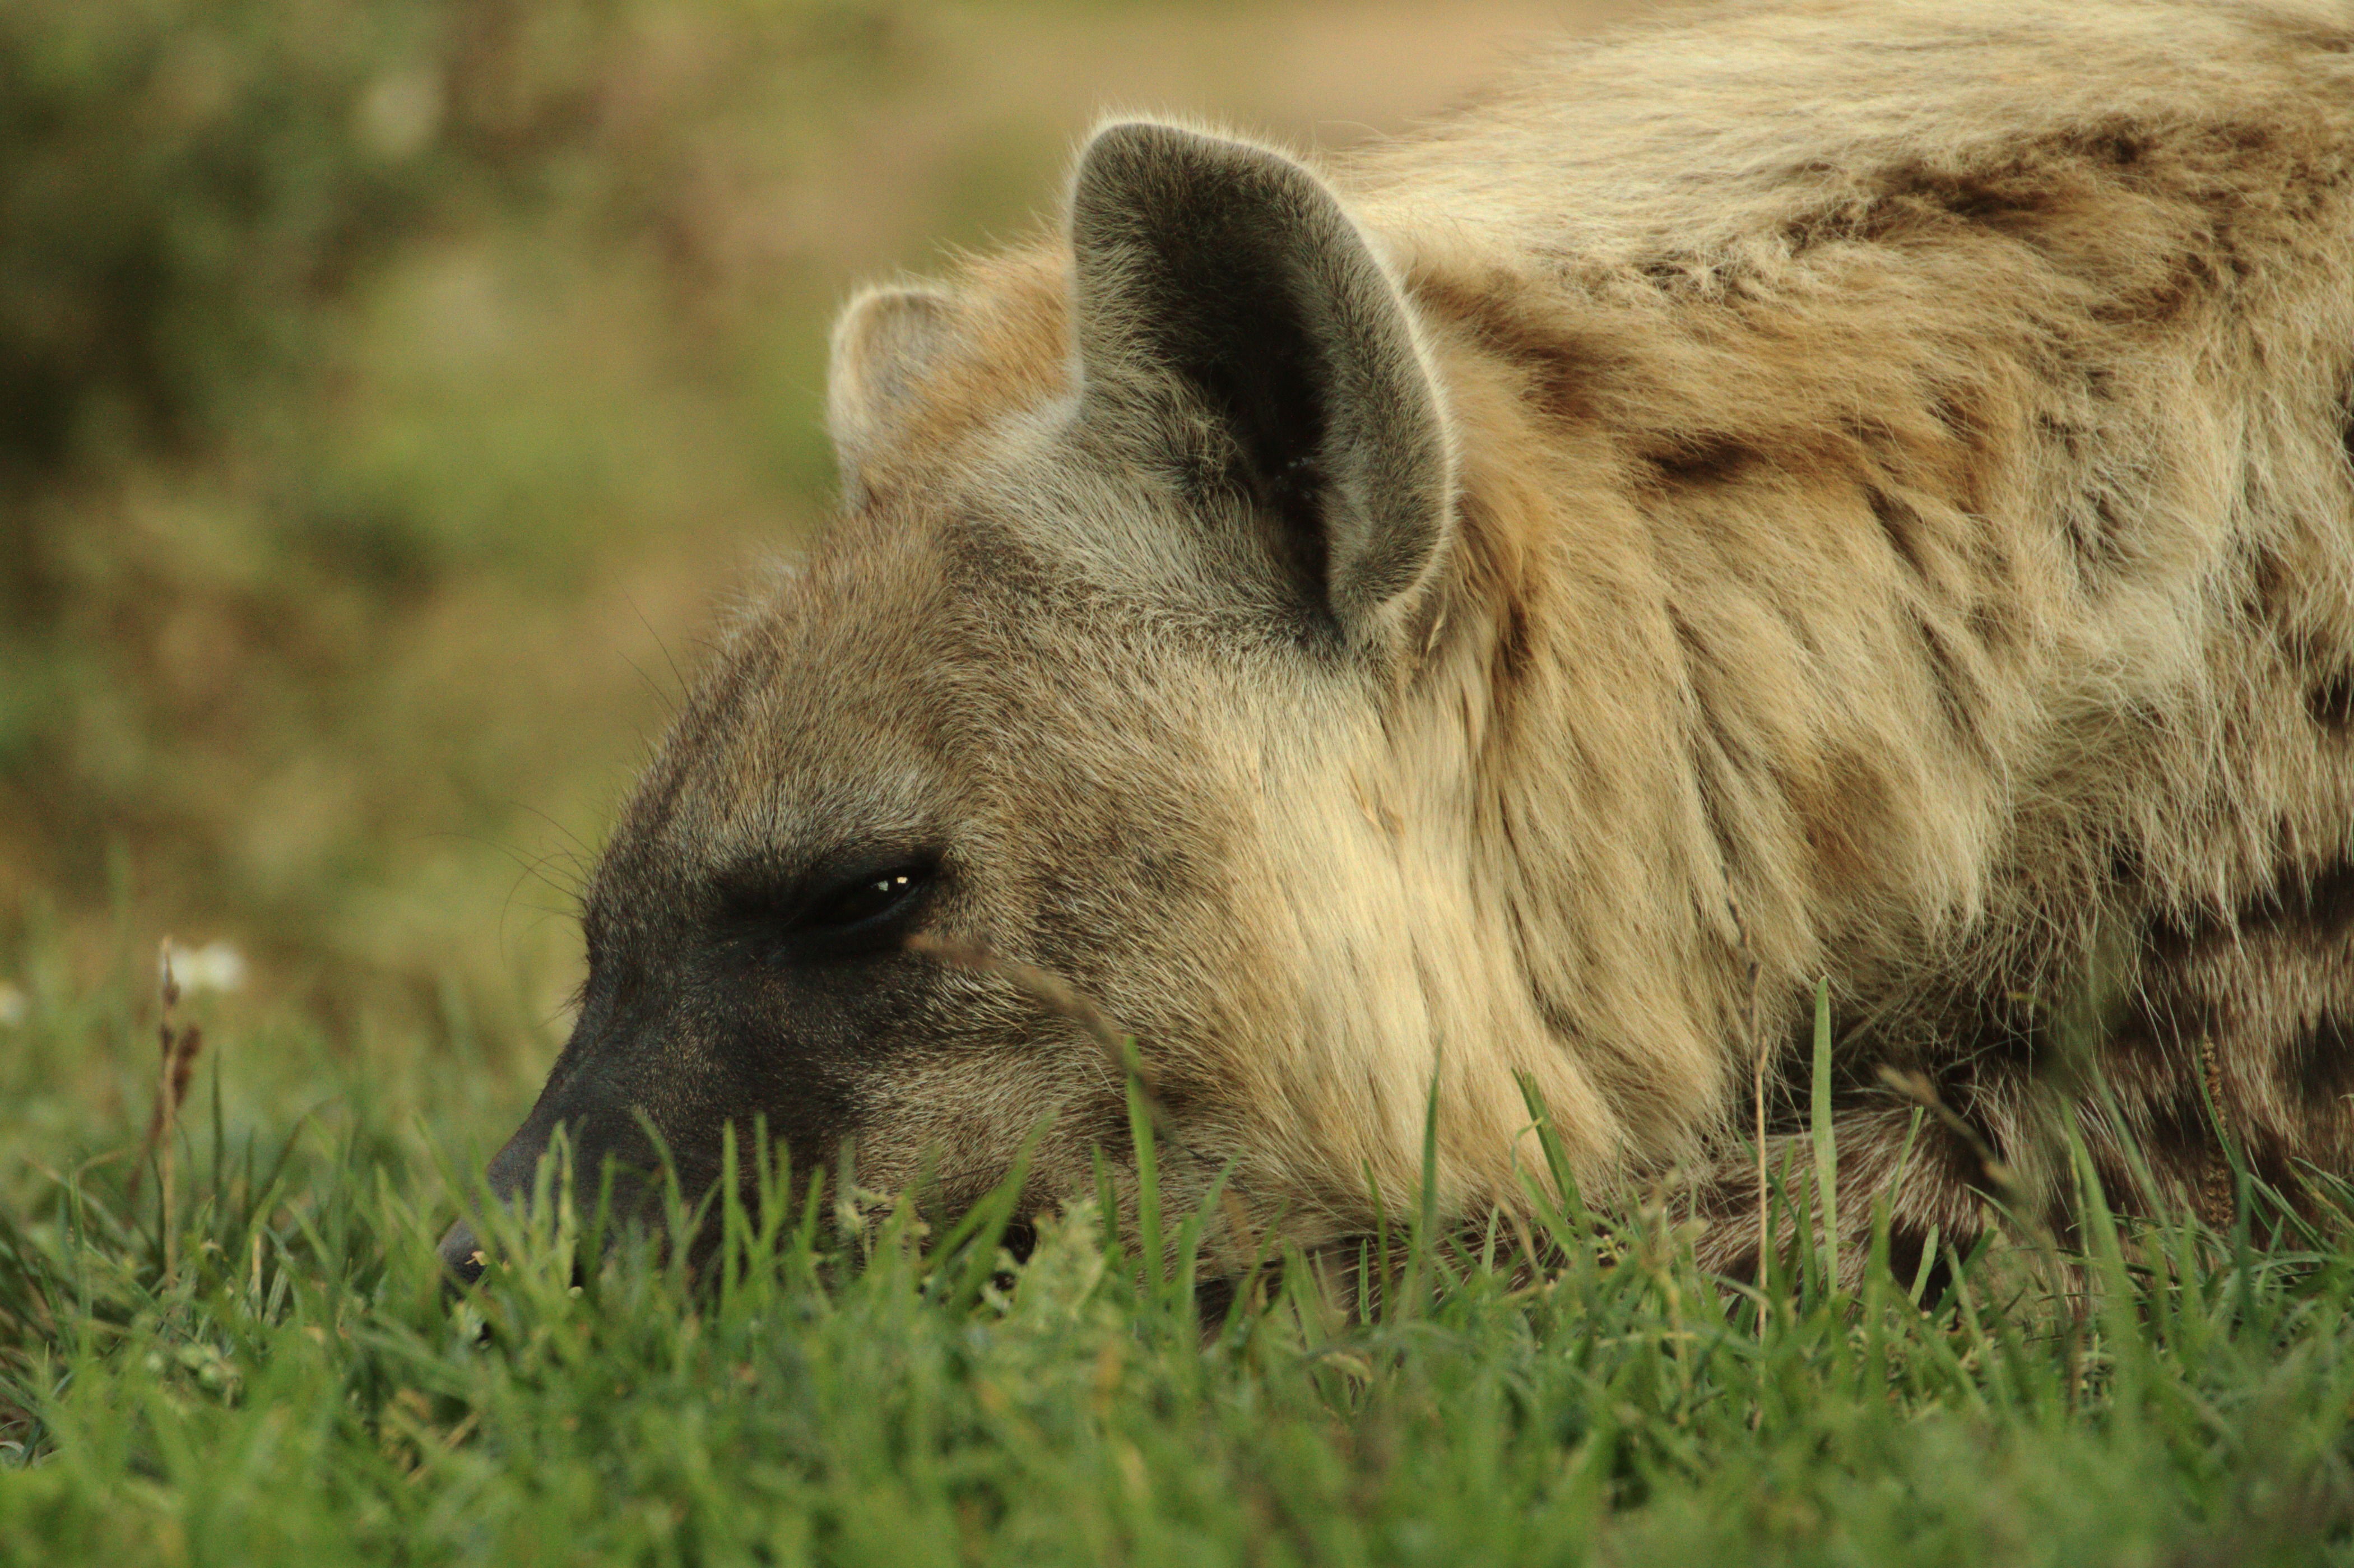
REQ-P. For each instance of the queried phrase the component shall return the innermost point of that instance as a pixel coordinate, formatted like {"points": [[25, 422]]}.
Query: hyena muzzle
{"points": [[1857, 492]]}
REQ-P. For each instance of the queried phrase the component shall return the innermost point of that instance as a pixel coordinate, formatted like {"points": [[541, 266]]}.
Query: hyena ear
{"points": [[1228, 311], [882, 341]]}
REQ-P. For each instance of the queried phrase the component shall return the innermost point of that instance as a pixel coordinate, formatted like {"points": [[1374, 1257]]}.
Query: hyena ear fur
{"points": [[882, 341], [1231, 316]]}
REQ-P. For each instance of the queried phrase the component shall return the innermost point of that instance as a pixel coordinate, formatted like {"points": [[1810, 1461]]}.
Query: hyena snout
{"points": [[602, 1131], [514, 1174], [633, 1197]]}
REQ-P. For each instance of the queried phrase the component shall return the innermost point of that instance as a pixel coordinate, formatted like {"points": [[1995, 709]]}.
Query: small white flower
{"points": [[216, 966]]}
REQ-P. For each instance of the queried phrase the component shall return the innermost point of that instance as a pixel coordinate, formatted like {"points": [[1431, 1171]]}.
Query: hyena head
{"points": [[1096, 672]]}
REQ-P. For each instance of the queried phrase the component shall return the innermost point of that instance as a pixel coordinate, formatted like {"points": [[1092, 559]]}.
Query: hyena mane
{"points": [[1845, 493]]}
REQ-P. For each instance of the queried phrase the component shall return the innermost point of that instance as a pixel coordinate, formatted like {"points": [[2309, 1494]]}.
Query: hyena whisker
{"points": [[668, 694]]}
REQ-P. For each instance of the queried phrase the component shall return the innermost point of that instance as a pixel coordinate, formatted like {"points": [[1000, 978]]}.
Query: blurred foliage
{"points": [[340, 339], [389, 389], [189, 185]]}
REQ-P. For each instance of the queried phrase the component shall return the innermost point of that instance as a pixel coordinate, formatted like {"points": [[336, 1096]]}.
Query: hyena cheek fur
{"points": [[1518, 604]]}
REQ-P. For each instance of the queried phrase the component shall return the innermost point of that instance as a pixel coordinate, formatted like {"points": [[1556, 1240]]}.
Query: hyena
{"points": [[1855, 492]]}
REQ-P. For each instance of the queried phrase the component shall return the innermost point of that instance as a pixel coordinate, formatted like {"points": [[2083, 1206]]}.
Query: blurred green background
{"points": [[390, 389]]}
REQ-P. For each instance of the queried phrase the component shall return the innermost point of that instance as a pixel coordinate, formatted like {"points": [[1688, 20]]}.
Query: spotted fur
{"points": [[1846, 490]]}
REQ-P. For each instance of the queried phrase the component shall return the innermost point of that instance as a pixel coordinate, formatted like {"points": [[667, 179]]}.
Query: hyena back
{"points": [[1859, 490]]}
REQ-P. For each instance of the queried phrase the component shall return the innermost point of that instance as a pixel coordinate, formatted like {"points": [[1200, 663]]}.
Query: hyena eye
{"points": [[865, 903]]}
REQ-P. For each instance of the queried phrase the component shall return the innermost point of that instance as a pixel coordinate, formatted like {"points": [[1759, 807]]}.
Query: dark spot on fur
{"points": [[1956, 690], [2108, 528], [2178, 1141], [1907, 1249], [1801, 235], [1688, 641], [1168, 873], [1966, 415], [1741, 1266], [1900, 524], [1997, 1039], [1844, 806], [2028, 198], [1714, 767], [2009, 201], [1956, 410], [2318, 906], [2331, 703], [2094, 531], [2186, 280], [2266, 597], [2173, 936], [2069, 437], [2272, 1161], [1561, 385], [2318, 1064], [1945, 1152], [2122, 148], [2128, 867], [2250, 137], [1510, 670], [1559, 1021], [1985, 202], [2158, 1029], [2119, 1185], [1561, 367], [2319, 903], [1994, 624], [1702, 460]]}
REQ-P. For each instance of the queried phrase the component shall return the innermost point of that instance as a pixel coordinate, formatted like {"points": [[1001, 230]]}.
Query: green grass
{"points": [[326, 636], [295, 1388]]}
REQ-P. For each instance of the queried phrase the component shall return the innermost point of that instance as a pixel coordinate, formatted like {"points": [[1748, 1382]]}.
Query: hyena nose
{"points": [[462, 1254]]}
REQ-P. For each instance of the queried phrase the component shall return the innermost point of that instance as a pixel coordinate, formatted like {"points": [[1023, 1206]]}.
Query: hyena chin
{"points": [[1859, 492]]}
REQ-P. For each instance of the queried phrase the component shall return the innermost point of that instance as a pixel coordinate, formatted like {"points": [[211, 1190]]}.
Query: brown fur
{"points": [[1875, 504]]}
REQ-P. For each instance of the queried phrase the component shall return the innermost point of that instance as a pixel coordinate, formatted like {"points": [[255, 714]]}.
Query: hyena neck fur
{"points": [[1830, 591], [1497, 806]]}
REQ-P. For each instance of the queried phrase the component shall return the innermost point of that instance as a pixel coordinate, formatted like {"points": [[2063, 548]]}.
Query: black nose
{"points": [[462, 1254]]}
